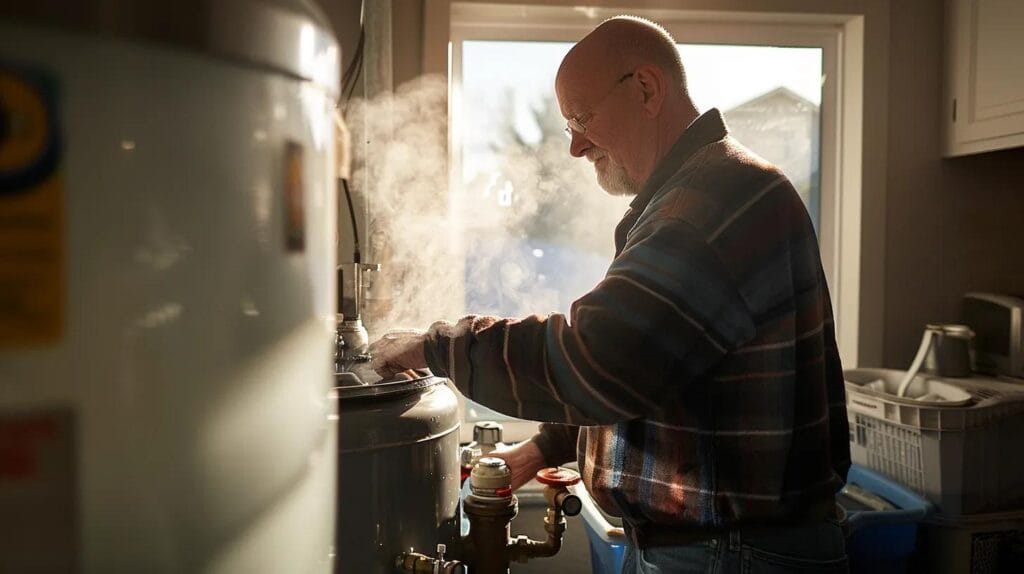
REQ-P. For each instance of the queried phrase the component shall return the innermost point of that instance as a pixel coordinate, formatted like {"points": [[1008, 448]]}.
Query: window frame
{"points": [[840, 200]]}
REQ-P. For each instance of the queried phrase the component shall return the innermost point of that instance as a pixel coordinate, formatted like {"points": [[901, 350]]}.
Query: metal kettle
{"points": [[951, 351]]}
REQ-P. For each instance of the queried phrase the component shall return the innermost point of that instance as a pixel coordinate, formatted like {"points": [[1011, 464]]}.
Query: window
{"points": [[523, 199], [537, 230]]}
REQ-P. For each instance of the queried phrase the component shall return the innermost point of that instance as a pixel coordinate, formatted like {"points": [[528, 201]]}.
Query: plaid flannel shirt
{"points": [[703, 367]]}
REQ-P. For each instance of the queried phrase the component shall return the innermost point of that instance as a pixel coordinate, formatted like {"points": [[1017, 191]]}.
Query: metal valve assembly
{"points": [[490, 507]]}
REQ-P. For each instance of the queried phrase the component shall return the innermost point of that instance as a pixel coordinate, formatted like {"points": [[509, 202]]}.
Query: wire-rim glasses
{"points": [[578, 123]]}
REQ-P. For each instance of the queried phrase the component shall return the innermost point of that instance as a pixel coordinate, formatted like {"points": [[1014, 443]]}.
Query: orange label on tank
{"points": [[31, 212]]}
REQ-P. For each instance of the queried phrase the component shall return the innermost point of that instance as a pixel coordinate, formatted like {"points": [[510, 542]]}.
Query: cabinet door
{"points": [[985, 75]]}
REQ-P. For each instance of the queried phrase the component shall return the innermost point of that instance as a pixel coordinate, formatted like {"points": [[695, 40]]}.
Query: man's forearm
{"points": [[557, 442]]}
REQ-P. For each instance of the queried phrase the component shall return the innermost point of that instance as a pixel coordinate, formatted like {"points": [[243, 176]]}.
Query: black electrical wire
{"points": [[356, 255], [349, 79], [354, 70]]}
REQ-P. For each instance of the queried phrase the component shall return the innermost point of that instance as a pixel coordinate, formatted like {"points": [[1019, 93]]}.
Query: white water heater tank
{"points": [[167, 229]]}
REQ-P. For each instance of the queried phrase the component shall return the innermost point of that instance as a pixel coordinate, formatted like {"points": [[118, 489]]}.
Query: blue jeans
{"points": [[815, 548]]}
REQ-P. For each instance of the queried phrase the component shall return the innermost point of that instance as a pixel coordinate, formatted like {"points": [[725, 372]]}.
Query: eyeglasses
{"points": [[578, 123]]}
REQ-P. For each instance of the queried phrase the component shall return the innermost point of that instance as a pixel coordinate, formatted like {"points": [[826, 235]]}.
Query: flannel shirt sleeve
{"points": [[666, 312]]}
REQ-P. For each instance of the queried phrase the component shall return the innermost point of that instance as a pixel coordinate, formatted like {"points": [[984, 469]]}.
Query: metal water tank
{"points": [[167, 286], [398, 472]]}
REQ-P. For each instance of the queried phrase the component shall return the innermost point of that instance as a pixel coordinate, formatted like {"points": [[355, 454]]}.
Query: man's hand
{"points": [[524, 460], [397, 351]]}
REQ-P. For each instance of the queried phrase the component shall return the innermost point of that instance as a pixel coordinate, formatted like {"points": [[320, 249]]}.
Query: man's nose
{"points": [[579, 144]]}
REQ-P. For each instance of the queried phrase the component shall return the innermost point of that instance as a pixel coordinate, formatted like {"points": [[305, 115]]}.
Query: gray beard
{"points": [[615, 181]]}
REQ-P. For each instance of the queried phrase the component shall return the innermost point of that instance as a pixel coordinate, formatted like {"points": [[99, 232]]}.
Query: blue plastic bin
{"points": [[607, 541], [606, 556], [882, 541]]}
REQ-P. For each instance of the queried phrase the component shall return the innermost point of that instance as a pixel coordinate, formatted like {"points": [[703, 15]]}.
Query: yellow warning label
{"points": [[31, 214]]}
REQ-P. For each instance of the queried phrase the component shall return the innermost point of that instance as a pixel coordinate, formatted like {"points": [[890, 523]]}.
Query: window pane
{"points": [[536, 227], [770, 98]]}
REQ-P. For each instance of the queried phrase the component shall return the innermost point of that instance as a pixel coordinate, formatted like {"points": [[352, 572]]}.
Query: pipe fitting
{"points": [[491, 506], [417, 563]]}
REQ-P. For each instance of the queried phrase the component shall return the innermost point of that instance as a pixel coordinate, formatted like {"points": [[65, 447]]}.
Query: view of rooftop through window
{"points": [[538, 229]]}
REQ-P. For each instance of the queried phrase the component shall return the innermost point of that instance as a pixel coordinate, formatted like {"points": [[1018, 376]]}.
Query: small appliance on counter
{"points": [[998, 323]]}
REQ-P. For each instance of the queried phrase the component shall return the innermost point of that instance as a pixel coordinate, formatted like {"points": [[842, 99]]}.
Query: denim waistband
{"points": [[647, 535]]}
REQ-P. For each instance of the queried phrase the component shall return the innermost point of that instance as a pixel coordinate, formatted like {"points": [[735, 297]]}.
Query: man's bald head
{"points": [[623, 93], [623, 43]]}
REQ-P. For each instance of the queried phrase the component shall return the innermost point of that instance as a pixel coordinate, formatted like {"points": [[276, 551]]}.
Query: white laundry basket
{"points": [[959, 457]]}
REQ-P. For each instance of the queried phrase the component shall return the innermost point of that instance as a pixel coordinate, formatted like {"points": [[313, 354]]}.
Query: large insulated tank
{"points": [[167, 286], [398, 472]]}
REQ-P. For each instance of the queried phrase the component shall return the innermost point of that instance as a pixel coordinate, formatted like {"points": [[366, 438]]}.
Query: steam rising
{"points": [[526, 231]]}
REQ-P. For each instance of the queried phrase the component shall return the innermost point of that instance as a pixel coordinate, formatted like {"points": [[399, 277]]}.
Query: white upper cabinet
{"points": [[984, 103]]}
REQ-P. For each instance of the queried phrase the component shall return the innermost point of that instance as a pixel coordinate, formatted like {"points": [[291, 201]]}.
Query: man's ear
{"points": [[653, 86]]}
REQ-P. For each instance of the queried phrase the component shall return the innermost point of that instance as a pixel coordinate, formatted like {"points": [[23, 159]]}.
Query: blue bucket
{"points": [[882, 541], [607, 540]]}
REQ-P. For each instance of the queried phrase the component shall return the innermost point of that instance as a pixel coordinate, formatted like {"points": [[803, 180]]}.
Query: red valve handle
{"points": [[556, 476]]}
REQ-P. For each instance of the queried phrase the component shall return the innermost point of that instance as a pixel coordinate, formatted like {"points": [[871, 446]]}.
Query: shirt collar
{"points": [[708, 128]]}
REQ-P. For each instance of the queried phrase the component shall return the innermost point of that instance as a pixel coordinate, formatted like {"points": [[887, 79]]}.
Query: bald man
{"points": [[703, 369]]}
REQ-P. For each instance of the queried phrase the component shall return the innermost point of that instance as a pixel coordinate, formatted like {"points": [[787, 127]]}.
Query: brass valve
{"points": [[491, 506], [556, 483], [561, 503], [422, 564]]}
